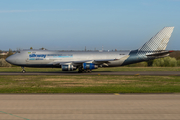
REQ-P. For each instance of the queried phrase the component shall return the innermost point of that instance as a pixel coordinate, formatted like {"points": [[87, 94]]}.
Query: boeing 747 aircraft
{"points": [[87, 61]]}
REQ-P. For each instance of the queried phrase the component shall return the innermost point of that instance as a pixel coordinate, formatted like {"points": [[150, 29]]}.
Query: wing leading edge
{"points": [[97, 62]]}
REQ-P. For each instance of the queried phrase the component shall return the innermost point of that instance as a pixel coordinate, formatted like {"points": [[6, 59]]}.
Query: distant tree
{"points": [[175, 54], [3, 63], [18, 49], [0, 52], [178, 63], [165, 62], [31, 47], [150, 62], [42, 48], [9, 53]]}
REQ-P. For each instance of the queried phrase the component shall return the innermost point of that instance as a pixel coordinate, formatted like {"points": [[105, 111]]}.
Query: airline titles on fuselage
{"points": [[42, 56]]}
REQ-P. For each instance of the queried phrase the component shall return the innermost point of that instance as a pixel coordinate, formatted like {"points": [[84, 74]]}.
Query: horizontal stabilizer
{"points": [[162, 53]]}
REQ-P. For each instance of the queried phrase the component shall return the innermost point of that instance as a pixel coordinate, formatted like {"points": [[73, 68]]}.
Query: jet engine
{"points": [[68, 68], [89, 66]]}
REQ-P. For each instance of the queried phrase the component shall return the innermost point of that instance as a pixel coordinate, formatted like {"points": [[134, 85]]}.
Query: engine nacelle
{"points": [[89, 66], [68, 68]]}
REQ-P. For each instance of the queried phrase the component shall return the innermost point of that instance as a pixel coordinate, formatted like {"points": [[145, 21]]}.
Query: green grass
{"points": [[90, 84], [18, 69], [139, 69]]}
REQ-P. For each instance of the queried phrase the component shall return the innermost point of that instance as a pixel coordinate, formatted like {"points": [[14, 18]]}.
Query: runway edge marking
{"points": [[14, 115]]}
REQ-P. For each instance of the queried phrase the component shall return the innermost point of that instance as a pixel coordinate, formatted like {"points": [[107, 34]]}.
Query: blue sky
{"points": [[74, 24]]}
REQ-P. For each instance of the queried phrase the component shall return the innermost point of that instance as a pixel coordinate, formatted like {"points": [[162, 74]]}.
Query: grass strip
{"points": [[89, 84]]}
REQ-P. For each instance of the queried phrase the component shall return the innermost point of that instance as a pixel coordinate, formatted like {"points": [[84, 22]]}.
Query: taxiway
{"points": [[89, 106], [153, 73]]}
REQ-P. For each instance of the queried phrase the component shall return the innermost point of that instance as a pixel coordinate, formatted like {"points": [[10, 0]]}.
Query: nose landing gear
{"points": [[23, 71]]}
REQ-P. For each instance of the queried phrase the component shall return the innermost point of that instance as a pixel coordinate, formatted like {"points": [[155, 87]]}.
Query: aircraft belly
{"points": [[118, 62]]}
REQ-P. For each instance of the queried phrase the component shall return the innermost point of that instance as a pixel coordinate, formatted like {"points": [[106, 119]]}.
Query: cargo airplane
{"points": [[87, 61]]}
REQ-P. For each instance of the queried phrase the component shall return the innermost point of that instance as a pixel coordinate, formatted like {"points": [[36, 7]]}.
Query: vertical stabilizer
{"points": [[159, 41]]}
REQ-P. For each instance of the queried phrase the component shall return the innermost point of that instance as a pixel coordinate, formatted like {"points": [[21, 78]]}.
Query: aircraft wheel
{"points": [[23, 71], [80, 71]]}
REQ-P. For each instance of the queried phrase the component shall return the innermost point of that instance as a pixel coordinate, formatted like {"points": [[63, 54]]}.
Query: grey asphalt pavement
{"points": [[89, 106]]}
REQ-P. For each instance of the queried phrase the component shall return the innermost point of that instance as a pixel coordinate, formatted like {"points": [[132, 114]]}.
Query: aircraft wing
{"points": [[100, 61], [104, 61]]}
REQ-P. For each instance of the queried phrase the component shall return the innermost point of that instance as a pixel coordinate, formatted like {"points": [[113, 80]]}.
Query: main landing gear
{"points": [[80, 70], [84, 71], [23, 71]]}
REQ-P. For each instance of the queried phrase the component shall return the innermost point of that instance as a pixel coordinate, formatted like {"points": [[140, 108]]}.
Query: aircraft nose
{"points": [[9, 59]]}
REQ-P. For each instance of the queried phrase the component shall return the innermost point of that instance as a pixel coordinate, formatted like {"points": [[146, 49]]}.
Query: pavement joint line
{"points": [[14, 115]]}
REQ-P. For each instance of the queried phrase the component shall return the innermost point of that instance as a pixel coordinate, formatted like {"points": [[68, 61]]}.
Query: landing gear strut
{"points": [[89, 71], [81, 70], [23, 71]]}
